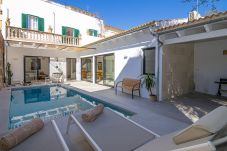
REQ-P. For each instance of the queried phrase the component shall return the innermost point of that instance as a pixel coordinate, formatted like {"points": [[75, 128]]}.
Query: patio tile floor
{"points": [[160, 117]]}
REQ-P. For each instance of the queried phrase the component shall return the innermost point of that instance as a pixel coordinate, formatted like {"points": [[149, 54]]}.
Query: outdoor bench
{"points": [[129, 84]]}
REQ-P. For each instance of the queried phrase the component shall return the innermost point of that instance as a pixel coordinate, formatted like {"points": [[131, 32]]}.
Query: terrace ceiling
{"points": [[39, 45], [209, 27]]}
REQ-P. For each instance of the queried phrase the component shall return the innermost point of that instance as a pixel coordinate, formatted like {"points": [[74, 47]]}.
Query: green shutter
{"points": [[64, 30], [76, 33], [24, 22], [90, 32], [41, 24], [95, 33]]}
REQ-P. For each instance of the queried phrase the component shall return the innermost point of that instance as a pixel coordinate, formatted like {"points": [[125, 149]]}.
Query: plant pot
{"points": [[153, 98]]}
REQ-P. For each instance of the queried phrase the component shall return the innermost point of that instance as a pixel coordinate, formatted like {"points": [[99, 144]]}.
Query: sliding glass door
{"points": [[86, 69], [105, 69], [36, 68], [71, 68], [108, 70], [99, 69]]}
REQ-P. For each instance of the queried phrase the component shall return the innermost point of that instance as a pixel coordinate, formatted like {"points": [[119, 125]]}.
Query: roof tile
{"points": [[194, 22]]}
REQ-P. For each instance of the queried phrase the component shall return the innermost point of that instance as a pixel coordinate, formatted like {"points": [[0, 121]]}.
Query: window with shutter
{"points": [[90, 32], [93, 32], [68, 31], [32, 22]]}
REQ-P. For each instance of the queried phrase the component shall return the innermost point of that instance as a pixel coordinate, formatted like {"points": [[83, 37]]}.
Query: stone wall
{"points": [[178, 70], [1, 61]]}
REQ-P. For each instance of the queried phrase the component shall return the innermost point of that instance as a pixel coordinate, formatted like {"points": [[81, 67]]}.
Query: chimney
{"points": [[194, 15]]}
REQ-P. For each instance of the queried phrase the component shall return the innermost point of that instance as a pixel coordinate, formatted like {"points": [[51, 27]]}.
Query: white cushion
{"points": [[206, 126]]}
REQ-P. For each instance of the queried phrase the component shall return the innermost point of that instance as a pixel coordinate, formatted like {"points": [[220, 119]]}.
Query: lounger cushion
{"points": [[92, 114], [44, 140], [20, 134], [166, 143], [204, 127]]}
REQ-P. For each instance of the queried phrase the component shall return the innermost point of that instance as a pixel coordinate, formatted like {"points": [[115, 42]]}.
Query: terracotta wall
{"points": [[1, 61]]}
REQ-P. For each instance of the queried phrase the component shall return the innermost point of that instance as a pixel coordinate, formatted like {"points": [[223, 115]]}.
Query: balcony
{"points": [[34, 37]]}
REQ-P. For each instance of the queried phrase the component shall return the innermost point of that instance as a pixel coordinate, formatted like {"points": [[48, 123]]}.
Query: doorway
{"points": [[71, 68], [86, 69], [36, 68]]}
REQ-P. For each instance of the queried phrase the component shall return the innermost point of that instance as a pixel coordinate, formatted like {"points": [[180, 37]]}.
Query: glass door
{"points": [[99, 69], [30, 69], [105, 69], [71, 68], [36, 68], [108, 70], [86, 69]]}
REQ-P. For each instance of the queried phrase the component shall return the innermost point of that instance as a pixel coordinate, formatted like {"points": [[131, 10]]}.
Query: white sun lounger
{"points": [[215, 122], [165, 143], [112, 132], [47, 139]]}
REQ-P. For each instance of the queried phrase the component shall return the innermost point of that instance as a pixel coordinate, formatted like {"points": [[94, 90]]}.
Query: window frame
{"points": [[144, 61], [30, 25], [93, 32], [75, 31]]}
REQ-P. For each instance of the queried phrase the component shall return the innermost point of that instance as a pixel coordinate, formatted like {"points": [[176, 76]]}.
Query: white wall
{"points": [[210, 65], [63, 17], [128, 54], [15, 56]]}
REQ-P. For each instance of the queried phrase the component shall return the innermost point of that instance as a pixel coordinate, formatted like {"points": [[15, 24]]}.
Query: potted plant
{"points": [[149, 81], [50, 29], [7, 21], [9, 74]]}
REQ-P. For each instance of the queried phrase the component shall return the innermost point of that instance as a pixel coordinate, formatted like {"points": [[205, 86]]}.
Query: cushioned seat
{"points": [[207, 134], [129, 84]]}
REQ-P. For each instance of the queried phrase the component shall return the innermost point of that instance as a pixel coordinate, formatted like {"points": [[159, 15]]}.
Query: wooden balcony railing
{"points": [[21, 34]]}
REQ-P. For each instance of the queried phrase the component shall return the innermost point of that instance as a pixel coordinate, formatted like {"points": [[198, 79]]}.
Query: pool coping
{"points": [[101, 98], [5, 108]]}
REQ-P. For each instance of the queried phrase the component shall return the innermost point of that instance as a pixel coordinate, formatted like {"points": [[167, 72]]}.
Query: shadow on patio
{"points": [[195, 105]]}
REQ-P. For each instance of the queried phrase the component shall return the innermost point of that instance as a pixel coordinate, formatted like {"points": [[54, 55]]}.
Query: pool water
{"points": [[49, 102]]}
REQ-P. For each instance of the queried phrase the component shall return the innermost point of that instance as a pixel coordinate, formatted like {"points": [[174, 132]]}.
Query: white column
{"points": [[78, 69], [160, 73], [93, 69]]}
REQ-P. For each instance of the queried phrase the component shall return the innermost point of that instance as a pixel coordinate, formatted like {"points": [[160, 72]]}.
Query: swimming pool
{"points": [[49, 102]]}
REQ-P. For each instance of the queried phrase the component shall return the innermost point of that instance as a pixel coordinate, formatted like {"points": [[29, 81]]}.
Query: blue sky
{"points": [[126, 14]]}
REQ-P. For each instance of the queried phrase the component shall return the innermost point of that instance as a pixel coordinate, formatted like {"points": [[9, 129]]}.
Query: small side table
{"points": [[220, 83], [47, 80]]}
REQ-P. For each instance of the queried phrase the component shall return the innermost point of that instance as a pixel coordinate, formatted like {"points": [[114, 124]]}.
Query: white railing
{"points": [[21, 34]]}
